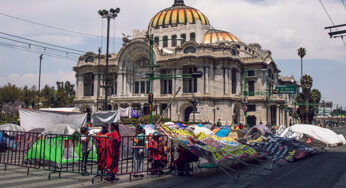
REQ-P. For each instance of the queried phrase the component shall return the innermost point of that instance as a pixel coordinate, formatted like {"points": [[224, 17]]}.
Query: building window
{"points": [[189, 84], [190, 49], [143, 87], [157, 41], [148, 86], [193, 36], [234, 81], [112, 90], [165, 42], [88, 84], [251, 108], [251, 73], [136, 87], [163, 108], [174, 40], [251, 86], [166, 84], [89, 59], [183, 38]]}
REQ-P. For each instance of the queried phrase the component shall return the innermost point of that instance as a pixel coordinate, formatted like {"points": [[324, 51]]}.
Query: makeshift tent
{"points": [[58, 151], [30, 119], [262, 129], [180, 125], [11, 127], [99, 118], [61, 129], [221, 132], [6, 141], [136, 113], [324, 135], [25, 141]]}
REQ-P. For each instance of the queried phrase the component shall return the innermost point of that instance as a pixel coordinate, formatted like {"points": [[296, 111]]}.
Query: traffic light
{"points": [[150, 98]]}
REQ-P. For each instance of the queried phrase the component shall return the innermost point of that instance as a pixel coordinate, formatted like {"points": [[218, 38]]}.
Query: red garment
{"points": [[156, 150], [113, 150], [102, 145]]}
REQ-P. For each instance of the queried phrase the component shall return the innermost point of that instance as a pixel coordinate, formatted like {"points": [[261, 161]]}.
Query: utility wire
{"points": [[36, 51], [52, 27], [330, 18], [49, 26], [44, 47], [41, 42]]}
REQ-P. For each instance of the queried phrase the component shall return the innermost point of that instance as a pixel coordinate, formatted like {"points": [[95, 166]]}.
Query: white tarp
{"points": [[324, 135], [73, 109], [31, 119], [11, 127], [61, 128], [124, 112], [99, 118]]}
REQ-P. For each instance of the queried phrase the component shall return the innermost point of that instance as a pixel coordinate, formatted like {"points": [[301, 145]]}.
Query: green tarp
{"points": [[58, 150]]}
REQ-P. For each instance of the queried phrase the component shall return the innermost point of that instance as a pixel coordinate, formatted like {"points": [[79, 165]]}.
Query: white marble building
{"points": [[185, 42]]}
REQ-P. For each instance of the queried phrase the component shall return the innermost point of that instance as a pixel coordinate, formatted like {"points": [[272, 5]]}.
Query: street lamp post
{"points": [[39, 81], [111, 14]]}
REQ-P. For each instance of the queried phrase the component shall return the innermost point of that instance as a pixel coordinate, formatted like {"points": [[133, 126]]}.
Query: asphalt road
{"points": [[325, 170]]}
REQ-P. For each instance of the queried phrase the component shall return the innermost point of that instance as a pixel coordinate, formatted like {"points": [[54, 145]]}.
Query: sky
{"points": [[281, 26]]}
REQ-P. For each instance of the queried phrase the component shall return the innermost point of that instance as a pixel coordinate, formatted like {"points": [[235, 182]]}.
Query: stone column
{"points": [[238, 81], [226, 80], [278, 119], [80, 90], [200, 81], [179, 82], [96, 85], [120, 84], [206, 79]]}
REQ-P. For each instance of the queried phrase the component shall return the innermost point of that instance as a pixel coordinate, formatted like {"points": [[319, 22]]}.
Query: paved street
{"points": [[323, 170]]}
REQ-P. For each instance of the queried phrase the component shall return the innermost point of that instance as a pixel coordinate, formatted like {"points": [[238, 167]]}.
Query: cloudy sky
{"points": [[281, 26]]}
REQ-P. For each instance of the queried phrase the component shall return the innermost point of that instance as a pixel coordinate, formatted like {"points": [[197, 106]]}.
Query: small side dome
{"points": [[215, 36]]}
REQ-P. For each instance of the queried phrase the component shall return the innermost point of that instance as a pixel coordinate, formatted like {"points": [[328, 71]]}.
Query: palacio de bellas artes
{"points": [[231, 81]]}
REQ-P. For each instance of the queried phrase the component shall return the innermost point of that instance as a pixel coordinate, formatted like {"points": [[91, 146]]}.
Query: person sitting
{"points": [[185, 156]]}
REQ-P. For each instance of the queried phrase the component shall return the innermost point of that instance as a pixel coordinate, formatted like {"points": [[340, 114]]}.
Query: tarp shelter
{"points": [[30, 119], [6, 142], [61, 129], [11, 127], [58, 152], [99, 118], [72, 109], [324, 135], [221, 132], [259, 128], [180, 125]]}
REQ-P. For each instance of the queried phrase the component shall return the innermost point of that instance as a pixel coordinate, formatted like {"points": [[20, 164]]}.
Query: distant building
{"points": [[185, 42]]}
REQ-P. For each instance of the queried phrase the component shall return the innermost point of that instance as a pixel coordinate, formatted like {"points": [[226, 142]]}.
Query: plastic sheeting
{"points": [[124, 112], [324, 135], [221, 132], [99, 118], [31, 119], [11, 127], [63, 129]]}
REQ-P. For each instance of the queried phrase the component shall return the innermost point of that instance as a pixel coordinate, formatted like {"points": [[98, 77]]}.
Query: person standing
{"points": [[86, 147], [101, 145], [218, 123], [112, 156], [157, 154], [138, 151]]}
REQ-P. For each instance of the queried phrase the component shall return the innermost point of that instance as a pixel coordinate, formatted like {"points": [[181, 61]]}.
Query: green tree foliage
{"points": [[9, 94]]}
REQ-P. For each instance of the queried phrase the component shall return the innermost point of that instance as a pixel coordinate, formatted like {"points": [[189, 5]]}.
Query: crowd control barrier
{"points": [[86, 155]]}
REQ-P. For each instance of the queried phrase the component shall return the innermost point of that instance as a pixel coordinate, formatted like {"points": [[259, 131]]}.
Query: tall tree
{"points": [[301, 54], [9, 94]]}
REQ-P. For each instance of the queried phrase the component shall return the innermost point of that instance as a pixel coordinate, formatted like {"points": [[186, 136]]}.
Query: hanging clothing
{"points": [[102, 143]]}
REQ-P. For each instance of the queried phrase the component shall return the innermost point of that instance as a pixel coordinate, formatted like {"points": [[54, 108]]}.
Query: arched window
{"points": [[234, 81], [89, 59], [190, 49], [193, 36], [174, 40], [189, 84], [165, 41]]}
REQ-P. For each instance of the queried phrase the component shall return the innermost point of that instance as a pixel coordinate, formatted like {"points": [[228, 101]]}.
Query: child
{"points": [[86, 147]]}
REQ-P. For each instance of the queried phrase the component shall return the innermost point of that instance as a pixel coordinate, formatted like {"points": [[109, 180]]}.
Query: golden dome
{"points": [[214, 36], [178, 14]]}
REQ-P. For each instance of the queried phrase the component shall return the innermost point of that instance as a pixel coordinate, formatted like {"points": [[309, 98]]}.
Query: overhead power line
{"points": [[41, 42], [52, 27], [49, 26]]}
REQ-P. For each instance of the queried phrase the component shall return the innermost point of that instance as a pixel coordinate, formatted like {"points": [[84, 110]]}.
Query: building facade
{"points": [[234, 74]]}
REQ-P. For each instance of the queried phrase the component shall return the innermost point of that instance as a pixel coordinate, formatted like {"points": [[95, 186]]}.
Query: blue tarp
{"points": [[222, 133], [180, 125], [199, 125]]}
